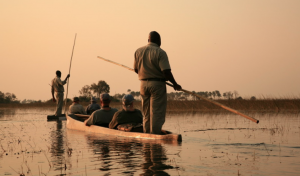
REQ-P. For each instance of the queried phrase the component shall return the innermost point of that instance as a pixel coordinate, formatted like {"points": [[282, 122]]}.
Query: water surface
{"points": [[213, 144]]}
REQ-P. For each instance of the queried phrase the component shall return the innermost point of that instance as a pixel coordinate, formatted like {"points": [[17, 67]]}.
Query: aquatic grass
{"points": [[19, 173], [265, 105], [282, 104]]}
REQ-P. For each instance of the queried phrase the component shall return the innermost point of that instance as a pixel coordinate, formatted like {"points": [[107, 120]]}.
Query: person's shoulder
{"points": [[100, 110], [54, 79], [117, 113], [141, 48], [161, 50], [137, 110], [137, 113], [120, 111], [114, 109]]}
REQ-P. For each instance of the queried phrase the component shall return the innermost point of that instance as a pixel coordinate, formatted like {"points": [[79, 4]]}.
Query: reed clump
{"points": [[263, 105], [266, 105]]}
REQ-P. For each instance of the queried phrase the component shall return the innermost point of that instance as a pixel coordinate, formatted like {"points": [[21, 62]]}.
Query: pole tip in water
{"points": [[257, 121]]}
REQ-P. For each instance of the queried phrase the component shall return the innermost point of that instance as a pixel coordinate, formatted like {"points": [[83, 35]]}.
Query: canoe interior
{"points": [[76, 123]]}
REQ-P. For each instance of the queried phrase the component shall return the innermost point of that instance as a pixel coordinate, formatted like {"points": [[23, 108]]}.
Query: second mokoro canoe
{"points": [[53, 117]]}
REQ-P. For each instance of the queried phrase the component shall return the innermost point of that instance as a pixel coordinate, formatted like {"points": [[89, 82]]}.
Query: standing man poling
{"points": [[58, 88], [152, 66]]}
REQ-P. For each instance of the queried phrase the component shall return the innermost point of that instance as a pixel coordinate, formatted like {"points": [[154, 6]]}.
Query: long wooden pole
{"points": [[191, 93], [69, 73]]}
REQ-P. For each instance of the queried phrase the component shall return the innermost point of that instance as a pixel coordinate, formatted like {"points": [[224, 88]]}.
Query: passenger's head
{"points": [[104, 99], [127, 102], [93, 100], [154, 37], [58, 73], [76, 100]]}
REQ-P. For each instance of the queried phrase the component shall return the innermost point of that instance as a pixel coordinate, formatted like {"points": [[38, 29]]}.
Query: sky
{"points": [[250, 46]]}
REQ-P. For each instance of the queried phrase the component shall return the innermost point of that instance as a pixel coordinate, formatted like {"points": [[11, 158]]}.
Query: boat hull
{"points": [[78, 125]]}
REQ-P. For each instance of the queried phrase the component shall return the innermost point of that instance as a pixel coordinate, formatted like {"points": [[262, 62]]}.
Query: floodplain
{"points": [[215, 142]]}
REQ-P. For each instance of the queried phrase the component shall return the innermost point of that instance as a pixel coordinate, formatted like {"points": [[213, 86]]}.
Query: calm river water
{"points": [[213, 144]]}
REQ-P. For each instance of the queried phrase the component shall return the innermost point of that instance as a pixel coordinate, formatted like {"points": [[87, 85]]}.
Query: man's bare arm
{"points": [[67, 77], [169, 77]]}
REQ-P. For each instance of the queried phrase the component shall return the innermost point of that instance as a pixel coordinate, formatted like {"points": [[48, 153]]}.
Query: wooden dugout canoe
{"points": [[78, 125]]}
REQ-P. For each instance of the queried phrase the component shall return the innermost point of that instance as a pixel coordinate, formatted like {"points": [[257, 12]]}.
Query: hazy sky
{"points": [[251, 46]]}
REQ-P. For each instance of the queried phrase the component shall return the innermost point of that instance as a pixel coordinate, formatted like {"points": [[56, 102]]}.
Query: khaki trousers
{"points": [[154, 104], [59, 102]]}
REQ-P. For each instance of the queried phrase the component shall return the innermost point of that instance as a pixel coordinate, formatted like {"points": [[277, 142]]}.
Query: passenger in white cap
{"points": [[128, 115], [103, 116], [92, 107]]}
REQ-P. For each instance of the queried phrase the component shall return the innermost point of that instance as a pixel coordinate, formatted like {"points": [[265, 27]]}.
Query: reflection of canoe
{"points": [[53, 117], [78, 125]]}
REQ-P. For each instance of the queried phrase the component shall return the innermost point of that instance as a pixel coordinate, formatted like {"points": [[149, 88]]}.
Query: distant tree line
{"points": [[94, 89], [207, 94], [8, 98]]}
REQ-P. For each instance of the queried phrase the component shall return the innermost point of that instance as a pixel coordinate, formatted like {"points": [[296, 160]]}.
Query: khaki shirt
{"points": [[150, 61], [76, 109], [101, 116], [58, 85]]}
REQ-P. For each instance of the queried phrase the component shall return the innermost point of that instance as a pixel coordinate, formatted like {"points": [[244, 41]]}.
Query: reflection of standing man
{"points": [[152, 66], [155, 159], [58, 88]]}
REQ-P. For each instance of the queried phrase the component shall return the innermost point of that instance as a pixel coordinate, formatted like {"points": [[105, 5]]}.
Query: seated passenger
{"points": [[92, 107], [103, 116], [75, 107], [127, 118]]}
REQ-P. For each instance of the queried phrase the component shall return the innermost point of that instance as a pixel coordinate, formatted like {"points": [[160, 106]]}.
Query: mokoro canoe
{"points": [[74, 124], [53, 117]]}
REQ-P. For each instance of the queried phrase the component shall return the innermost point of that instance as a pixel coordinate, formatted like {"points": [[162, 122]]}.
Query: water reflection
{"points": [[129, 155], [8, 112], [155, 157], [57, 148]]}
